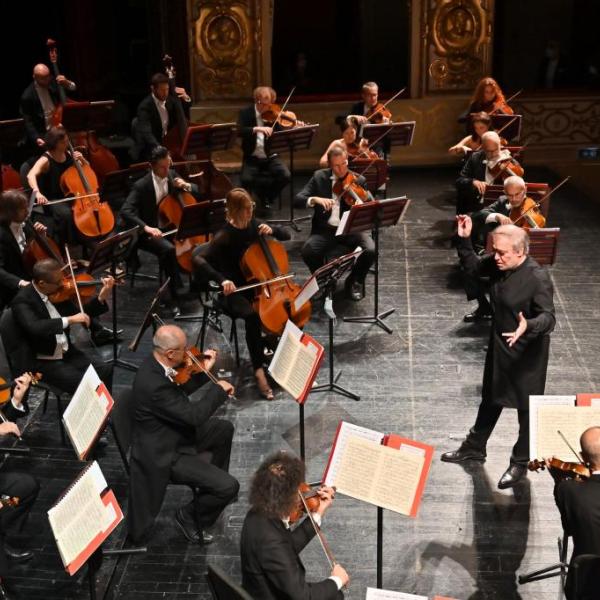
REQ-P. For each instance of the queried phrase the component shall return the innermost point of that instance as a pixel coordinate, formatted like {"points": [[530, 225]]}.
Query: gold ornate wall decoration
{"points": [[226, 47], [456, 43]]}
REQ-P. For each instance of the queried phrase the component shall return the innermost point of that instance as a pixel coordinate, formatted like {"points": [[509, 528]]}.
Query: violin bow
{"points": [[384, 105], [284, 106], [72, 273], [324, 545], [579, 457], [539, 202]]}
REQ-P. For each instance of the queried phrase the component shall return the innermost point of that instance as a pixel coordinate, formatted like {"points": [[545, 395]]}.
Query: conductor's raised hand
{"points": [[464, 225], [228, 287], [513, 336], [264, 229]]}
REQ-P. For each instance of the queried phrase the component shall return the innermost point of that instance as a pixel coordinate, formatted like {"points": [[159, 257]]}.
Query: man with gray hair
{"points": [[517, 356]]}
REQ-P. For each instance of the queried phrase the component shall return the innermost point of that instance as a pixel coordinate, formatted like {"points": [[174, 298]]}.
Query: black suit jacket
{"points": [[271, 565], [12, 269], [32, 112], [40, 330], [320, 185], [474, 168], [140, 207], [246, 123], [165, 425]]}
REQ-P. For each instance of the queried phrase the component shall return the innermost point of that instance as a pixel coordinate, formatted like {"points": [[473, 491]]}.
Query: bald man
{"points": [[37, 105], [172, 425], [579, 506], [476, 174], [517, 357]]}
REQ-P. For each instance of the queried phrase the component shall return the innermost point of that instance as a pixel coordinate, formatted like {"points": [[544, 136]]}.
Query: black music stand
{"points": [[148, 320], [396, 134], [206, 139], [291, 140], [87, 116], [371, 216], [106, 255], [327, 277], [512, 131]]}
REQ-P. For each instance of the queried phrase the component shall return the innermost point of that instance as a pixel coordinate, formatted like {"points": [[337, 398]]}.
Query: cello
{"points": [[266, 260]]}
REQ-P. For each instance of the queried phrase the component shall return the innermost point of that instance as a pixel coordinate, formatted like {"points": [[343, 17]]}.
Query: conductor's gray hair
{"points": [[517, 235]]}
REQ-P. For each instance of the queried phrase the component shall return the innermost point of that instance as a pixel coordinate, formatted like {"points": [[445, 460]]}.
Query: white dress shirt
{"points": [[334, 218], [62, 343], [163, 112], [170, 373], [259, 151], [161, 187], [19, 233]]}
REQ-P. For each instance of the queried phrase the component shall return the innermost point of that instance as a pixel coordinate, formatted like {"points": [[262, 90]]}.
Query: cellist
{"points": [[219, 261], [38, 104]]}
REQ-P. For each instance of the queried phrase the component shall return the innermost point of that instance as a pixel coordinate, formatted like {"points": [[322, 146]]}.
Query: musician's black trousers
{"points": [[265, 177], [164, 250]]}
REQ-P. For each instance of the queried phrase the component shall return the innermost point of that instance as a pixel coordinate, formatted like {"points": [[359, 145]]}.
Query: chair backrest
{"points": [[586, 576], [19, 354], [122, 417], [535, 191], [222, 588], [543, 244]]}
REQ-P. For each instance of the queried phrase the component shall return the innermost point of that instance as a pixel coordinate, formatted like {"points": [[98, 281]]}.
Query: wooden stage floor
{"points": [[470, 539]]}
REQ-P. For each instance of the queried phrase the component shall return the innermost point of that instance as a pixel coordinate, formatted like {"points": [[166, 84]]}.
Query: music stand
{"points": [[87, 116], [327, 277], [291, 140], [396, 134], [148, 320], [371, 216], [512, 131], [106, 255]]}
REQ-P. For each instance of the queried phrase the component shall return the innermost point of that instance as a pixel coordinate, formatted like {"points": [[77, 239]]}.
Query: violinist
{"points": [[579, 506], [44, 180], [264, 176], [46, 326], [155, 116], [141, 209], [348, 141], [328, 209], [219, 261], [172, 425], [38, 103], [15, 484], [482, 169], [516, 362], [270, 548], [481, 122], [488, 97], [362, 111]]}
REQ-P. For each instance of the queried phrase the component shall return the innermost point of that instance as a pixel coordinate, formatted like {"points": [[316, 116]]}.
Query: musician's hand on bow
{"points": [[266, 131], [22, 384], [40, 198], [359, 118], [40, 227], [227, 387], [480, 186], [326, 203], [9, 427], [339, 571], [503, 219], [264, 229], [464, 225], [513, 336], [80, 318], [326, 495], [228, 287], [153, 232]]}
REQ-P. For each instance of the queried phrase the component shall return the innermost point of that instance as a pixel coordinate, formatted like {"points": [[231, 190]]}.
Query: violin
{"points": [[286, 118], [378, 114], [312, 502], [266, 261], [39, 247], [529, 214], [360, 151], [577, 471], [505, 167], [350, 191], [84, 283], [6, 386]]}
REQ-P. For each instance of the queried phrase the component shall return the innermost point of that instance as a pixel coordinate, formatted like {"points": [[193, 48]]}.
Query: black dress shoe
{"points": [[462, 454], [512, 475], [477, 315], [16, 554], [354, 290], [104, 336], [191, 532], [175, 310]]}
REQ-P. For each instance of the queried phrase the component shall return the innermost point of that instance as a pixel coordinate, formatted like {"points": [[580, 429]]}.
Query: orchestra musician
{"points": [[219, 261], [481, 122], [155, 116], [172, 426], [488, 97], [579, 506], [480, 171], [46, 327], [141, 209], [485, 221], [44, 180], [348, 142], [270, 549], [521, 294], [262, 175], [14, 484], [370, 99], [38, 103], [328, 210]]}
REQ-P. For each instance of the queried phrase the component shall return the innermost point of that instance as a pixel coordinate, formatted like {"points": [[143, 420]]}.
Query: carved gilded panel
{"points": [[456, 43]]}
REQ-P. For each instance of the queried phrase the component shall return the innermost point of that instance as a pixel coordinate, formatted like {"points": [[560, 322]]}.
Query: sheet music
{"points": [[534, 403], [309, 289], [80, 515], [346, 431], [342, 225], [86, 412], [571, 421], [376, 594]]}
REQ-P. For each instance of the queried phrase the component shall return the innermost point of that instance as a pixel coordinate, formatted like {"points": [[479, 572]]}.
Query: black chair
{"points": [[222, 588], [585, 576], [20, 357]]}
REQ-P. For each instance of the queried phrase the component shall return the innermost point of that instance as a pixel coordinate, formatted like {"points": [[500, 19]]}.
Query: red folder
{"points": [[309, 340], [586, 399], [100, 390]]}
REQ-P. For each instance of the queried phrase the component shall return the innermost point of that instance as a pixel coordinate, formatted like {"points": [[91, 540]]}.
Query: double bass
{"points": [[176, 135]]}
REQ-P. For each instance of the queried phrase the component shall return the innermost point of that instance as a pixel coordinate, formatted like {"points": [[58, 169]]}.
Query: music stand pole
{"points": [[95, 561], [379, 547], [116, 361], [301, 428]]}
